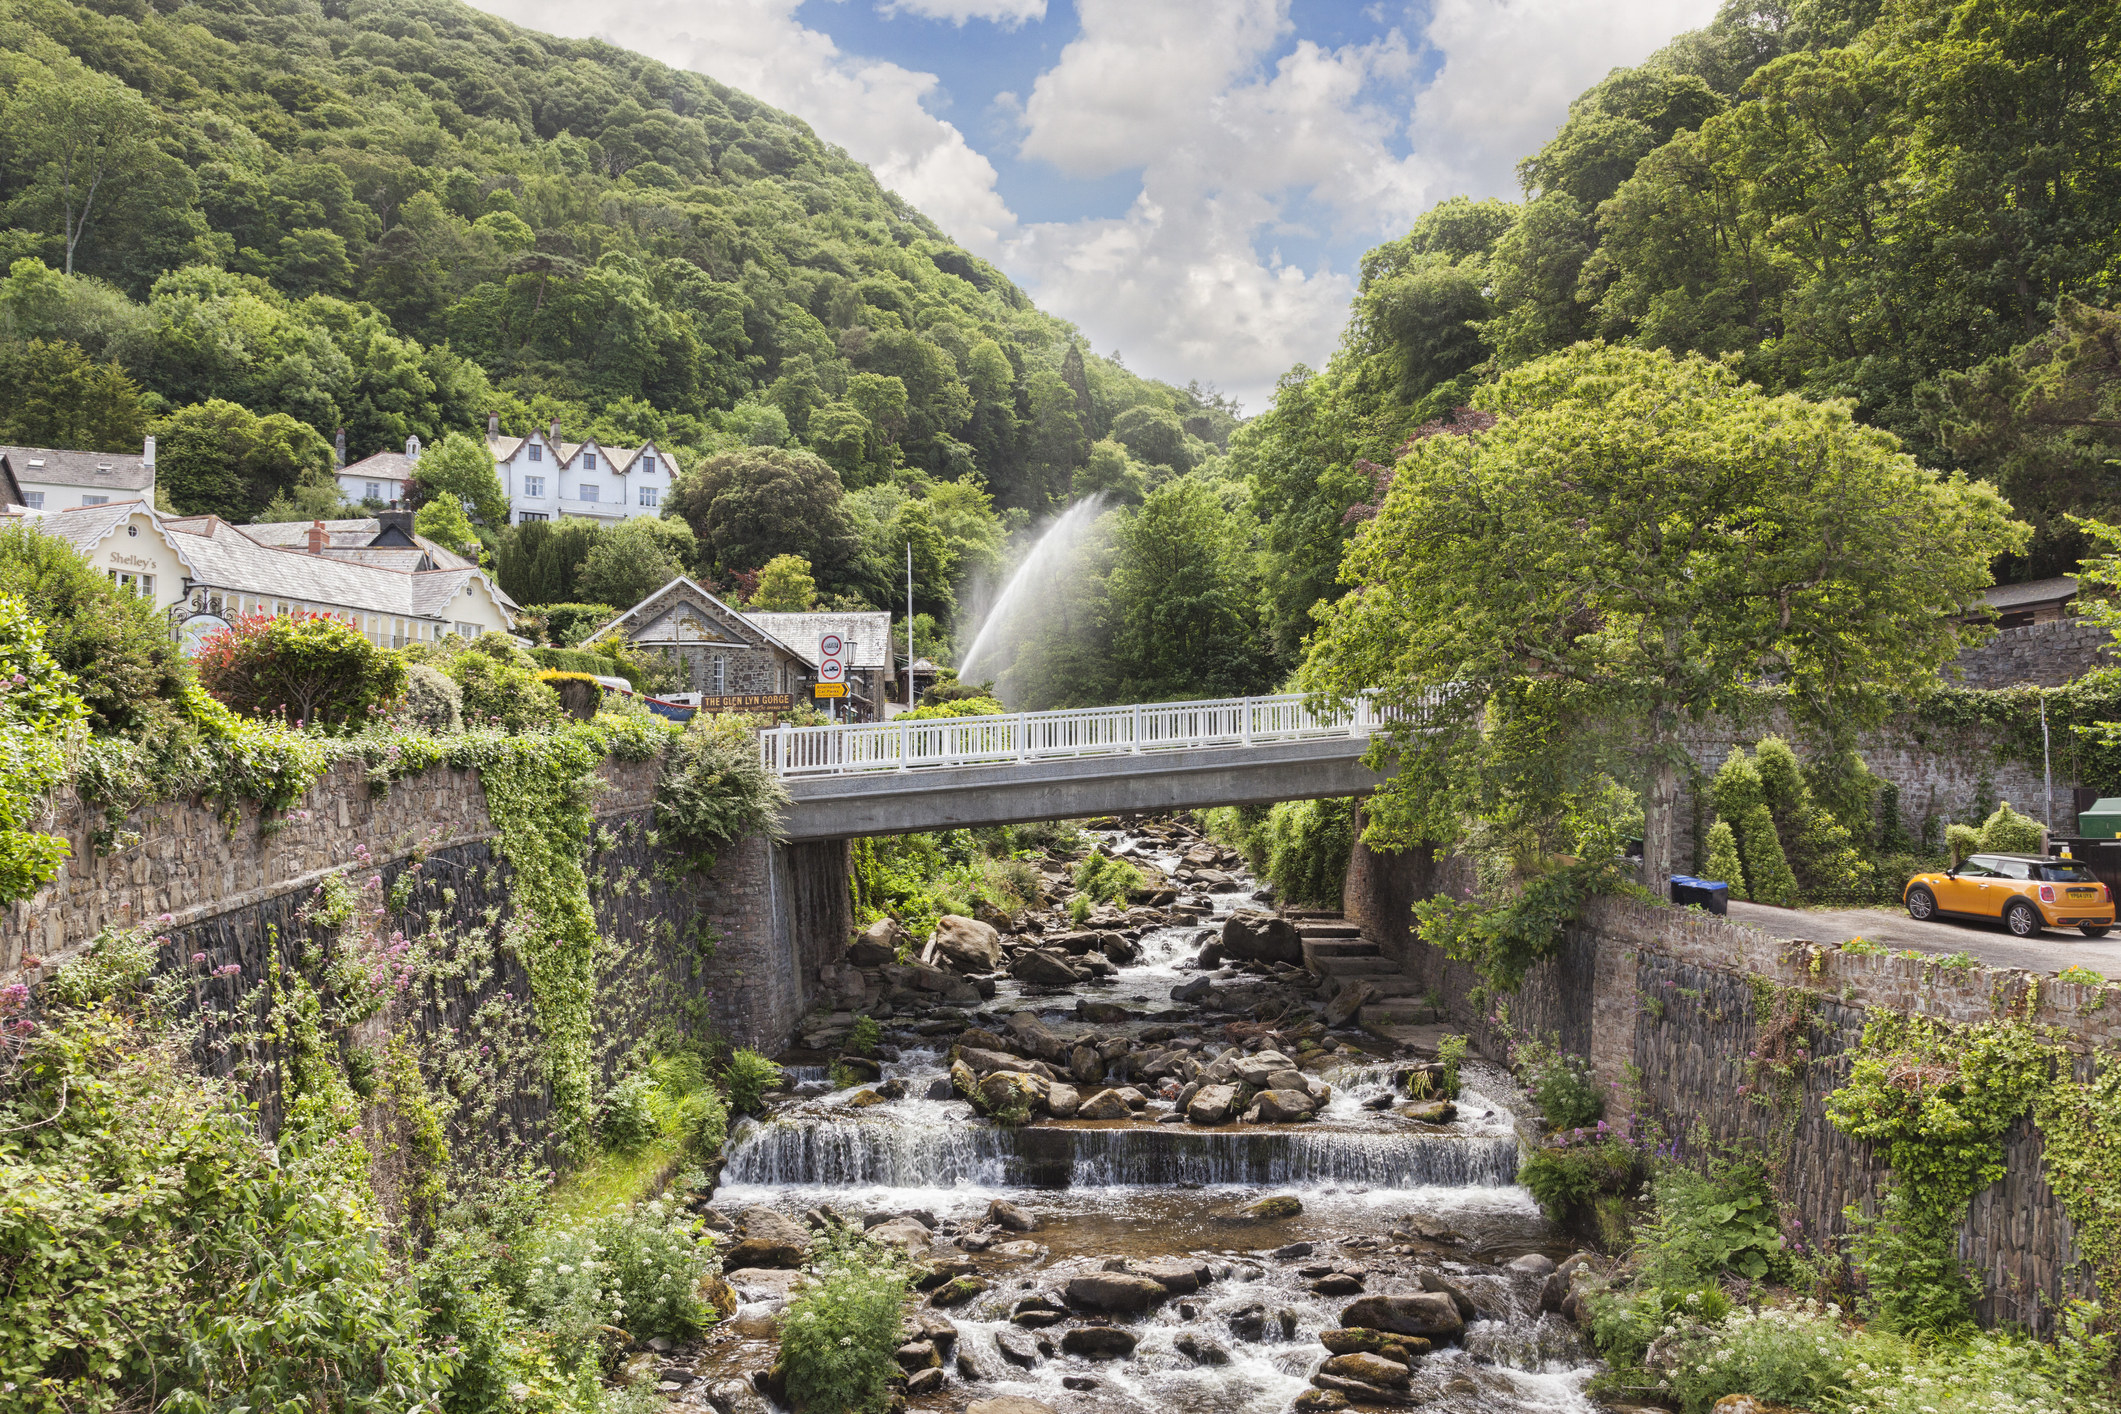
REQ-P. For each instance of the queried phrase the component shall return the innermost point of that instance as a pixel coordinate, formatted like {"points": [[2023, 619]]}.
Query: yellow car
{"points": [[2027, 892]]}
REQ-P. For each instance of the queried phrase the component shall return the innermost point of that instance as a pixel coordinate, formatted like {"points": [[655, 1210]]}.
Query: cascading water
{"points": [[1030, 592], [1386, 1196]]}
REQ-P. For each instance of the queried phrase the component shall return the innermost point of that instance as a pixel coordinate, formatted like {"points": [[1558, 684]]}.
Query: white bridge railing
{"points": [[1043, 736]]}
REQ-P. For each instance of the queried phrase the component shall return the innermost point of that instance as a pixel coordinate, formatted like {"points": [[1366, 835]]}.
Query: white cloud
{"points": [[870, 107], [1006, 12]]}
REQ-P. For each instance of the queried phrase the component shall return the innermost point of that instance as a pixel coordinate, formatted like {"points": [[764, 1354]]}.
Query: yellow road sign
{"points": [[829, 689]]}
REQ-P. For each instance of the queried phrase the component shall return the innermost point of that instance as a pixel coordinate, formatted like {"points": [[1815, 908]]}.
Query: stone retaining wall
{"points": [[2037, 655], [1665, 999]]}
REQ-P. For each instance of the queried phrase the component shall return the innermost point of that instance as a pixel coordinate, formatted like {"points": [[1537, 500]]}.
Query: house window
{"points": [[721, 675], [589, 461], [95, 500], [537, 453], [141, 584], [34, 500], [648, 464], [587, 492], [522, 516], [650, 495], [371, 490], [533, 485], [465, 630]]}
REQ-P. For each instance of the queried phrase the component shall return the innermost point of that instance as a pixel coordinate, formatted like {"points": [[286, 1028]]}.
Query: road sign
{"points": [[832, 670], [831, 645], [829, 689]]}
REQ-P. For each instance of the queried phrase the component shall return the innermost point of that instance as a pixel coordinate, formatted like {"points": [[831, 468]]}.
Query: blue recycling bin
{"points": [[1713, 895]]}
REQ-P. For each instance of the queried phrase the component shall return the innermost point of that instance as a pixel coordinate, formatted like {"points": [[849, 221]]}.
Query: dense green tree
{"points": [[633, 559], [460, 467], [216, 458], [1111, 473], [1153, 435], [785, 586], [1183, 599], [114, 643], [1652, 534], [748, 506], [55, 395], [78, 138]]}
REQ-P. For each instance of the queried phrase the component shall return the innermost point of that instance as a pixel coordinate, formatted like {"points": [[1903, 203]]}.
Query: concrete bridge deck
{"points": [[899, 777]]}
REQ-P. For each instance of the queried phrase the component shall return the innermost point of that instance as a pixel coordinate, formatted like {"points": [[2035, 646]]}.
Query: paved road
{"points": [[2050, 951]]}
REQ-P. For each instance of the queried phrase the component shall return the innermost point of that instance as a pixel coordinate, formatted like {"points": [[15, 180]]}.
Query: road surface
{"points": [[1987, 943]]}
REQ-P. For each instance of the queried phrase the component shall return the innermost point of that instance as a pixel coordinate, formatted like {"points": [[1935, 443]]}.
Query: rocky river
{"points": [[1145, 1164]]}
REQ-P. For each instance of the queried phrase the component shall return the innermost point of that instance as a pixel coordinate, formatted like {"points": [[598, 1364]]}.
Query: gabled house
{"points": [[547, 478], [55, 479], [720, 652]]}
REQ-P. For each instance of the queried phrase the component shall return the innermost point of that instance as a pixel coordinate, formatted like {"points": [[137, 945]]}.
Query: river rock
{"points": [[975, 1364], [1201, 1349], [864, 1069], [1252, 936], [985, 1062], [903, 1233], [1120, 1293], [967, 944], [1430, 1111], [1043, 969], [1034, 1037], [1428, 1313], [1005, 1090], [964, 1080], [1003, 1213], [1100, 1342], [1085, 1065], [1536, 1264], [1198, 990], [1320, 1401], [1105, 1104], [919, 1355], [878, 944], [1362, 1391], [1018, 1347], [1062, 1101], [768, 1239], [1370, 1369], [1258, 1071], [1337, 1284], [736, 1397], [1281, 1205], [760, 1320], [1009, 1404], [1435, 1281], [922, 1382], [1350, 999], [957, 1291], [1181, 1276], [1352, 1339], [1212, 1104], [1281, 1107]]}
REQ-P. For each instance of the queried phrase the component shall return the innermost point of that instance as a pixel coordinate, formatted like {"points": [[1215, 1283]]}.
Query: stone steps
{"points": [[1338, 947], [1365, 967], [1397, 1012], [1328, 930]]}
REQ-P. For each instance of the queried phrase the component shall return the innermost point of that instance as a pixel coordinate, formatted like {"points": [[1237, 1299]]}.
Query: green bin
{"points": [[2102, 821]]}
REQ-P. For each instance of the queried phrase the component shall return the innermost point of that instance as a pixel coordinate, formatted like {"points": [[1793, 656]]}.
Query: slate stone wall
{"points": [[2037, 655], [1671, 998]]}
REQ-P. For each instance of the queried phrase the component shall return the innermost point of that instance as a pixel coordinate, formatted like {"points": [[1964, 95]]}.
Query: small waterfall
{"points": [[1028, 591], [821, 1151]]}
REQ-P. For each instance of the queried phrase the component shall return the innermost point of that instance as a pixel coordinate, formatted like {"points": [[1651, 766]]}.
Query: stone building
{"points": [[723, 656], [55, 479], [867, 638]]}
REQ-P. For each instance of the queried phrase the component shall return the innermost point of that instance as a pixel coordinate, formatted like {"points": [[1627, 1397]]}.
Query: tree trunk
{"points": [[1659, 809]]}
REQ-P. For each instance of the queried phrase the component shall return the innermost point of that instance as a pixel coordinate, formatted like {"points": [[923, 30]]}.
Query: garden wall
{"points": [[734, 943], [1668, 999]]}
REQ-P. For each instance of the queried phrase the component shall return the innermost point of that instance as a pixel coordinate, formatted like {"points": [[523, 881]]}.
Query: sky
{"points": [[1192, 183]]}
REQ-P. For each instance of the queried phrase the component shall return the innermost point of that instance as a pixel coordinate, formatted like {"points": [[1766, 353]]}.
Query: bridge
{"points": [[899, 777]]}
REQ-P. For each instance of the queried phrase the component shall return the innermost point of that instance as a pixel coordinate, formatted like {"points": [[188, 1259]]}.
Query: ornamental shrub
{"points": [[312, 670], [1819, 848], [1961, 841], [499, 683], [839, 1338], [1723, 858], [714, 789], [2008, 832], [41, 718], [432, 702], [1741, 801]]}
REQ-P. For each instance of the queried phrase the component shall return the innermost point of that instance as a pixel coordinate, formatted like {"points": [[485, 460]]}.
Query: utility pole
{"points": [[2047, 765], [909, 627]]}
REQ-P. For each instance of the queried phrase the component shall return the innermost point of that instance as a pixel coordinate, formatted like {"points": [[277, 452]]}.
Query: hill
{"points": [[397, 217]]}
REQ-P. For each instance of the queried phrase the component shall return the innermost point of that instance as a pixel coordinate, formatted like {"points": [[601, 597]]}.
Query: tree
{"points": [[1657, 538], [54, 395], [443, 521], [79, 134], [1183, 600], [632, 560], [460, 466], [114, 643], [1110, 472], [216, 458], [1153, 436], [785, 586], [748, 506], [313, 670]]}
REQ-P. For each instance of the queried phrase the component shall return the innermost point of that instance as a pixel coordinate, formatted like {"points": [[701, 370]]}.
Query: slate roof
{"points": [[94, 471], [349, 536], [2038, 591], [617, 459], [674, 594], [869, 634], [85, 527], [384, 466]]}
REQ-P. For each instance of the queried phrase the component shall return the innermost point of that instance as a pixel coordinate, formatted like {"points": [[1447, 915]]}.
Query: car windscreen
{"points": [[2067, 874]]}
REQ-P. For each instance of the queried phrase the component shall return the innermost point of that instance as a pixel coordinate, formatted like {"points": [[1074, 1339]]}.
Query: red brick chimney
{"points": [[318, 537]]}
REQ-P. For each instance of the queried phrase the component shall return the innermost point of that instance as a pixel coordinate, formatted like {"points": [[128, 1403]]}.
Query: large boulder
{"points": [[1105, 1104], [967, 944], [1212, 1104], [1100, 1342], [1003, 1213], [1035, 1038], [1115, 1293], [1259, 1070], [906, 1234], [1085, 1065], [1062, 1101], [1253, 936], [878, 944], [1431, 1314], [1004, 1090], [983, 1061], [1370, 1369], [1043, 969], [767, 1239], [1281, 1107], [1181, 1276]]}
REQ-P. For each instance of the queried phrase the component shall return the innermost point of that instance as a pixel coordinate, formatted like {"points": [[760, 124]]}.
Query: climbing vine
{"points": [[2080, 1123]]}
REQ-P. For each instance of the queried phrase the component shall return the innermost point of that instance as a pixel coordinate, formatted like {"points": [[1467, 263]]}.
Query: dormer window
{"points": [[589, 461], [537, 453]]}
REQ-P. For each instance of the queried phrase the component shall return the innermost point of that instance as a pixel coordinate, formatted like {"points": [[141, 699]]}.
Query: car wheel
{"points": [[2022, 919], [1921, 904], [2094, 930]]}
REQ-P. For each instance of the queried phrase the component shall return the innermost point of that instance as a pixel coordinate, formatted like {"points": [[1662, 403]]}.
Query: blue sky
{"points": [[1190, 181]]}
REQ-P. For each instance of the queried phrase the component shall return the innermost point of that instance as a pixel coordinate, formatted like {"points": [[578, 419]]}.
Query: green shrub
{"points": [[313, 670], [1451, 1053], [714, 788], [1079, 910], [863, 1040], [577, 660], [1576, 1180], [1308, 844], [839, 1338], [566, 625], [1559, 1084], [629, 1121], [1710, 1224], [1723, 858], [638, 1270], [498, 680], [432, 702], [1961, 841], [1793, 1356], [1820, 850], [2008, 832], [1108, 880], [41, 718], [1741, 800], [703, 1122], [114, 643], [747, 1078]]}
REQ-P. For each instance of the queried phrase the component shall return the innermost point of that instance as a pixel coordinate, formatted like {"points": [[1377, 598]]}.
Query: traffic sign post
{"points": [[831, 668]]}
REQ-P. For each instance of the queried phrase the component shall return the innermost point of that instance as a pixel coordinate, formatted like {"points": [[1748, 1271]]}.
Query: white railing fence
{"points": [[1039, 736]]}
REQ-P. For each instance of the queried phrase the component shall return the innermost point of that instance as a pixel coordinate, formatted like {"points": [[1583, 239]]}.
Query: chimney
{"points": [[338, 449], [147, 456], [318, 537], [394, 519], [493, 424], [412, 449], [556, 432]]}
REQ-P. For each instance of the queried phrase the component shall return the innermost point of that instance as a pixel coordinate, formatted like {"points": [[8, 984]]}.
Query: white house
{"points": [[547, 478], [383, 479], [204, 572], [53, 479]]}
